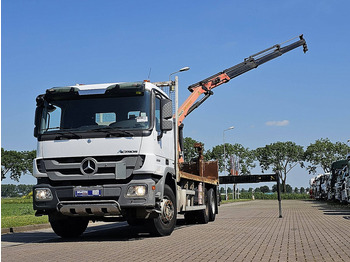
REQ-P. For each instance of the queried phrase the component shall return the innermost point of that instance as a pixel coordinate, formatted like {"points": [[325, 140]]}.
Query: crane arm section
{"points": [[205, 86]]}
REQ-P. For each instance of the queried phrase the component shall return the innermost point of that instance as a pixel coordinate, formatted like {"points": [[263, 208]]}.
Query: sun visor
{"points": [[130, 88], [61, 93]]}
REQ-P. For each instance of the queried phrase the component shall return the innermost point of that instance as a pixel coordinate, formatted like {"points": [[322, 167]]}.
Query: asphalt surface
{"points": [[243, 231]]}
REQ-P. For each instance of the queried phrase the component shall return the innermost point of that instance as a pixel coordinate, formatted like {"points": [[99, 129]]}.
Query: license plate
{"points": [[87, 193]]}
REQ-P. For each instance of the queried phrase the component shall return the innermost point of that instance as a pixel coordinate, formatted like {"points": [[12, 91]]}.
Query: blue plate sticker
{"points": [[88, 193]]}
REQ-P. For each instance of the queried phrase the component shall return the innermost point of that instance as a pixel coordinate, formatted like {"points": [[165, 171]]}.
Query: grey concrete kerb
{"points": [[24, 228]]}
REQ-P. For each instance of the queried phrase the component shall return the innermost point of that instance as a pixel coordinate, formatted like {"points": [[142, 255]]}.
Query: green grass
{"points": [[16, 212]]}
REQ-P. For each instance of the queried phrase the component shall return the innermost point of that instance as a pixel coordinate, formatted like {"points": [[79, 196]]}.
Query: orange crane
{"points": [[205, 86]]}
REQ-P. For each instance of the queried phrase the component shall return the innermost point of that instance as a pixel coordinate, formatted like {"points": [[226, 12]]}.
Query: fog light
{"points": [[136, 191], [43, 194]]}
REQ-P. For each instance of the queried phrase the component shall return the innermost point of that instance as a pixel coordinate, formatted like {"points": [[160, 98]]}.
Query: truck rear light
{"points": [[43, 194], [137, 191]]}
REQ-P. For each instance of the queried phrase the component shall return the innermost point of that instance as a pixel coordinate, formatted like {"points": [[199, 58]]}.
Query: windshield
{"points": [[96, 114]]}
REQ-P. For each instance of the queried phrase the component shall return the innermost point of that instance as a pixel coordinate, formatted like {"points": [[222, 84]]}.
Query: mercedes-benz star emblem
{"points": [[88, 166]]}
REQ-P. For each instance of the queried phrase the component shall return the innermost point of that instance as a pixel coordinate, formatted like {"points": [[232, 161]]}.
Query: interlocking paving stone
{"points": [[243, 231]]}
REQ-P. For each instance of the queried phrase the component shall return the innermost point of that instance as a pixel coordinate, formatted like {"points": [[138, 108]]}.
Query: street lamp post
{"points": [[223, 138], [186, 68], [176, 118]]}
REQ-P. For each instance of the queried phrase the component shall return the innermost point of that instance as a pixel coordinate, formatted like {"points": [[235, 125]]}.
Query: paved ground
{"points": [[244, 231]]}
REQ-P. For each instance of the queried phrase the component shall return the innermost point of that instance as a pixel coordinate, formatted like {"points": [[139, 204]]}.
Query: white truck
{"points": [[113, 152], [345, 184]]}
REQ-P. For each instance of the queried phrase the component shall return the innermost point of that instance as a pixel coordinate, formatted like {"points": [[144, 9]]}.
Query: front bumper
{"points": [[109, 199]]}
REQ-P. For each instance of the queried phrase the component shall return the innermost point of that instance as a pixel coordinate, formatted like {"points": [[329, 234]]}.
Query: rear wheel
{"points": [[203, 215], [190, 218], [212, 204], [68, 227], [164, 224]]}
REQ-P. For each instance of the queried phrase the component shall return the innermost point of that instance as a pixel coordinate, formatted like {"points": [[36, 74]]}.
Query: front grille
{"points": [[99, 167]]}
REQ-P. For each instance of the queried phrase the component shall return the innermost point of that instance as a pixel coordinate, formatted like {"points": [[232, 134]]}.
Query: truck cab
{"points": [[105, 151]]}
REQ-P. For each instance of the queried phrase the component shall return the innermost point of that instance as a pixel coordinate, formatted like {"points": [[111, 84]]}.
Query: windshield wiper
{"points": [[67, 134], [113, 131]]}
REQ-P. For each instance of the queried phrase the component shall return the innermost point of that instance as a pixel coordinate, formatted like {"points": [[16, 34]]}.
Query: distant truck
{"points": [[319, 186], [337, 179], [111, 152], [334, 186]]}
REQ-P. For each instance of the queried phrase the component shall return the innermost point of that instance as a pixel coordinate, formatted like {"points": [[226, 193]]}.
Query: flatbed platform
{"points": [[248, 179], [255, 179]]}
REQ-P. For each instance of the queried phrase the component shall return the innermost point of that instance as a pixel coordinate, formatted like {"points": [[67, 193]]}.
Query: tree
{"points": [[289, 189], [222, 190], [274, 188], [24, 190], [323, 153], [246, 157], [16, 163], [189, 151], [9, 191], [302, 190], [281, 157], [15, 190], [296, 190], [258, 189], [264, 189]]}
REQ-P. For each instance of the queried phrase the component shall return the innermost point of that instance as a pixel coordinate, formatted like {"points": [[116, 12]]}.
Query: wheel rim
{"points": [[168, 210]]}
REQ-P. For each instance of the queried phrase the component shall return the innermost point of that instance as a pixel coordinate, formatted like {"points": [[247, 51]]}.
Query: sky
{"points": [[297, 97]]}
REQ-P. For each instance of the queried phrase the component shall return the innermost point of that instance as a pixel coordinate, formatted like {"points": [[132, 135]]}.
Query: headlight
{"points": [[137, 191], [43, 194]]}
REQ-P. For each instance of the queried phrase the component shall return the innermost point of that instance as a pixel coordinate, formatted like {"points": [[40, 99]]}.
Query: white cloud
{"points": [[277, 123]]}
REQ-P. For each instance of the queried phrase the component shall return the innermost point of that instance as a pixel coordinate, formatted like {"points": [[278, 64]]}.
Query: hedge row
{"points": [[260, 195]]}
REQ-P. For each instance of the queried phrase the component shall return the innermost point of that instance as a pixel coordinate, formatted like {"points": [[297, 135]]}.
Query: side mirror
{"points": [[166, 114], [38, 113], [166, 125]]}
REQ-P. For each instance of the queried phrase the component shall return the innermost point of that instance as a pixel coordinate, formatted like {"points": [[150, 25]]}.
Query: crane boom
{"points": [[205, 86]]}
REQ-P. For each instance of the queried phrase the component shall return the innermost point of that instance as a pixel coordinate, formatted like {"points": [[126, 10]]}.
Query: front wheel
{"points": [[164, 224], [67, 227]]}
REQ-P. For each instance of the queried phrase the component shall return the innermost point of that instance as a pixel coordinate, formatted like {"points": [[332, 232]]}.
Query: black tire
{"points": [[164, 224], [136, 221], [203, 215], [132, 220], [190, 218], [212, 205], [68, 227]]}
